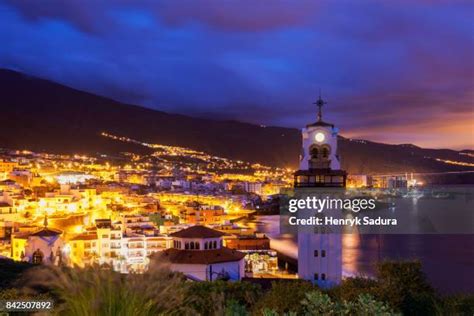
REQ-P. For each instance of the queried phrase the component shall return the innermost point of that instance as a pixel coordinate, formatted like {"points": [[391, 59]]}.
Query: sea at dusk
{"points": [[447, 259]]}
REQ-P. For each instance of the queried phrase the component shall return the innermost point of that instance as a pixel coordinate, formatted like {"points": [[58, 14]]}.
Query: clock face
{"points": [[319, 137]]}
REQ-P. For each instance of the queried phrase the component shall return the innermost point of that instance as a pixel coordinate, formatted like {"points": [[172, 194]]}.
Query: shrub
{"points": [[94, 291], [284, 297], [460, 304], [351, 288], [208, 297], [404, 286]]}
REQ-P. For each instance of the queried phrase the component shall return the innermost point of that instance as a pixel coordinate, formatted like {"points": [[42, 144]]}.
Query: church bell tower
{"points": [[319, 160], [320, 251]]}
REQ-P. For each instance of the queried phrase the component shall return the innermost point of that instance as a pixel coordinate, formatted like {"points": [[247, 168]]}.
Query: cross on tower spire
{"points": [[319, 103]]}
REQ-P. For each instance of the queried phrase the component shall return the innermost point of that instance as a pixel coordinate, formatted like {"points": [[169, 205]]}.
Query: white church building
{"points": [[319, 254], [198, 253]]}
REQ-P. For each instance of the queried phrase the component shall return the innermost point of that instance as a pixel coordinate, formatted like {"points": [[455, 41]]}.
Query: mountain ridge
{"points": [[39, 114]]}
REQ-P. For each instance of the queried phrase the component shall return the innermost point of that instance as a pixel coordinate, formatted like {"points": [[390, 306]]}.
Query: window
{"points": [[325, 152], [315, 253], [323, 276], [323, 253], [198, 246], [105, 236], [337, 179], [205, 245], [192, 245], [186, 245], [214, 244], [302, 179], [37, 257], [316, 277]]}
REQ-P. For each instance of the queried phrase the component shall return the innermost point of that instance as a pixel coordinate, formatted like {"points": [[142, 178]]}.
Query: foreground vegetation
{"points": [[400, 288]]}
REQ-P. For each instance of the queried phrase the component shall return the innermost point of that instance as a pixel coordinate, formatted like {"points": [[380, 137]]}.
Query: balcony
{"points": [[320, 178], [139, 246]]}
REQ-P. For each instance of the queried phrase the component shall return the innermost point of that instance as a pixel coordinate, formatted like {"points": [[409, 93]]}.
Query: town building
{"points": [[202, 214], [199, 253], [43, 245], [260, 259], [124, 248]]}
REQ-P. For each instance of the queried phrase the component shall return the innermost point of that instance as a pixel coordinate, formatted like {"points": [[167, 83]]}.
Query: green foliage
{"points": [[367, 305], [234, 308], [269, 312], [399, 287], [283, 297], [157, 219], [208, 297], [351, 288], [403, 286], [317, 303], [459, 305], [93, 291], [16, 294]]}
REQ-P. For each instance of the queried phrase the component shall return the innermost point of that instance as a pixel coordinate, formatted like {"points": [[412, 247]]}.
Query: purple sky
{"points": [[391, 71]]}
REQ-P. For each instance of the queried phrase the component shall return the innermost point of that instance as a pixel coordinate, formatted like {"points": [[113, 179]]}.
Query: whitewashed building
{"points": [[198, 253], [319, 254]]}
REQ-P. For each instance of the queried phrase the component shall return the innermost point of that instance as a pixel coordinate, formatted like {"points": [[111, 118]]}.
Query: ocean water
{"points": [[448, 260]]}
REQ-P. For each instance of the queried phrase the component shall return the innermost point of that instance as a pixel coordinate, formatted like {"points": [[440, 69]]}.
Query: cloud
{"points": [[381, 65]]}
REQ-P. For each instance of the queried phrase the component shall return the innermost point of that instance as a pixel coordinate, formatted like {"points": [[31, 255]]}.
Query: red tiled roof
{"points": [[84, 237], [198, 231], [179, 256], [21, 235]]}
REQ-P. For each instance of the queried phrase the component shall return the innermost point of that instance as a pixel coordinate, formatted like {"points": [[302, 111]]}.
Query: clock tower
{"points": [[319, 251], [319, 160]]}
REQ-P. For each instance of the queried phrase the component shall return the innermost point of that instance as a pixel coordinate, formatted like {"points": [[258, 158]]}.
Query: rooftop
{"points": [[198, 231], [320, 123], [84, 237], [178, 256], [47, 232]]}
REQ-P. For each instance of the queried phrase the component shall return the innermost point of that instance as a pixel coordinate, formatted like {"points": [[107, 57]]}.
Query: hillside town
{"points": [[121, 211], [184, 207]]}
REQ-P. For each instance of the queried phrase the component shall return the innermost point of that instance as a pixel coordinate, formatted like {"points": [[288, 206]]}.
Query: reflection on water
{"points": [[448, 260]]}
